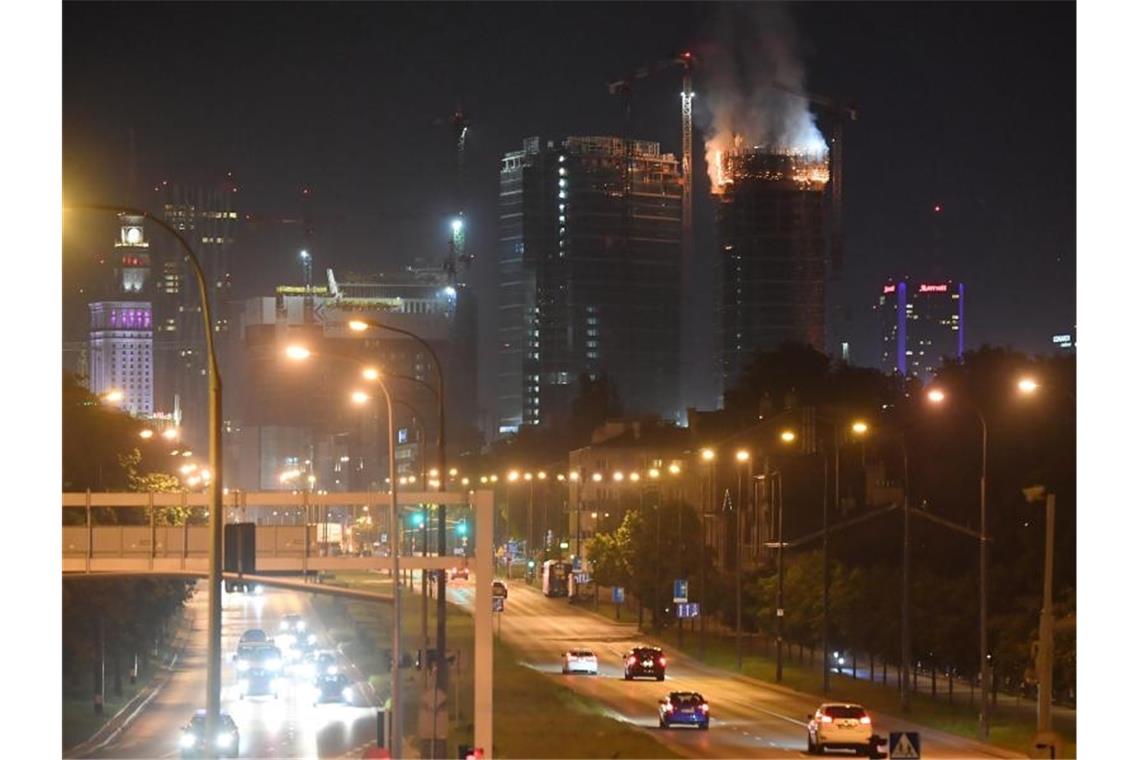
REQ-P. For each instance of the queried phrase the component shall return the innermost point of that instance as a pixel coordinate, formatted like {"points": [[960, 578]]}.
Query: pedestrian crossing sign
{"points": [[905, 745]]}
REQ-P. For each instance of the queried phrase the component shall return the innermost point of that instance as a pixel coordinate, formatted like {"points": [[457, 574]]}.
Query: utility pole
{"points": [[1045, 645], [904, 655], [826, 578]]}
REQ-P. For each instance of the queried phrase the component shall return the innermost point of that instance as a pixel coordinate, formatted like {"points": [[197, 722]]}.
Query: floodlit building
{"points": [[590, 257], [921, 323], [121, 337], [771, 246]]}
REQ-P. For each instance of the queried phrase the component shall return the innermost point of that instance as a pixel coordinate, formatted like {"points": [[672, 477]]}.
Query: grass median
{"points": [[535, 716], [1010, 728]]}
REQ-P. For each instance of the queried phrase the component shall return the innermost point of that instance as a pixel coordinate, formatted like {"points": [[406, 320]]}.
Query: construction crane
{"points": [[457, 254], [624, 87], [837, 115]]}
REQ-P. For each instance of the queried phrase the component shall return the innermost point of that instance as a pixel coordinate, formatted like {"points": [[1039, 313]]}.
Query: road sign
{"points": [[680, 590], [905, 745], [581, 578], [619, 594], [498, 603], [689, 609]]}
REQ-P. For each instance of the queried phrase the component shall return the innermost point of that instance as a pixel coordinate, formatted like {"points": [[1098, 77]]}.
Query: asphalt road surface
{"points": [[289, 726], [749, 718]]}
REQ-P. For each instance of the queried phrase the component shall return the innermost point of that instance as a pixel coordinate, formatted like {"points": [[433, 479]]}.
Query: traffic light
{"points": [[461, 528]]}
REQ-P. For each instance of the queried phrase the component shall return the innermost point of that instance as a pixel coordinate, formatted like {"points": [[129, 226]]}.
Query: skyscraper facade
{"points": [[121, 338], [771, 245], [585, 224], [921, 323]]}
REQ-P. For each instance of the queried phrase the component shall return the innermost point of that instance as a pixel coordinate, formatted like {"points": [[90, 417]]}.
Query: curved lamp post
{"points": [[214, 600]]}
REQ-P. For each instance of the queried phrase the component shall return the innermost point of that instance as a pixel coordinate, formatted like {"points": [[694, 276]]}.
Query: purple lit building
{"points": [[121, 341], [921, 323]]}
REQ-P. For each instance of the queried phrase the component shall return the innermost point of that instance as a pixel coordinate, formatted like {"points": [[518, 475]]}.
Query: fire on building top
{"points": [[759, 164]]}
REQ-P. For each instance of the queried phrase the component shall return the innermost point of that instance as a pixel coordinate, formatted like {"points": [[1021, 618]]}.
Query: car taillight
{"points": [[669, 708], [632, 660], [704, 708], [865, 720], [661, 660], [825, 719]]}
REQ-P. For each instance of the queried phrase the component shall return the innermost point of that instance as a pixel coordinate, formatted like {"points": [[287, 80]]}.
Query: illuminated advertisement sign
{"points": [[402, 435], [888, 289], [939, 288]]}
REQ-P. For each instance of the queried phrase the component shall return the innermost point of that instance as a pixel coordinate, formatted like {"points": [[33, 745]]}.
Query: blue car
{"points": [[683, 708]]}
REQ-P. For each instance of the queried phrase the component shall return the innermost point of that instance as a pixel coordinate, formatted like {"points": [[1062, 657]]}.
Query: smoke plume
{"points": [[755, 51]]}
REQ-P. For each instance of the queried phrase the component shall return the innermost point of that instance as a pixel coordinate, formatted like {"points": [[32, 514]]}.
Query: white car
{"points": [[580, 661], [840, 725]]}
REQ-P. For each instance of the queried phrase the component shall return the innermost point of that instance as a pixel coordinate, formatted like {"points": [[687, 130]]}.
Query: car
{"points": [[253, 636], [243, 587], [579, 661], [683, 708], [259, 681], [457, 572], [332, 688], [840, 725], [322, 664], [499, 589], [192, 742], [644, 662], [252, 656], [292, 623]]}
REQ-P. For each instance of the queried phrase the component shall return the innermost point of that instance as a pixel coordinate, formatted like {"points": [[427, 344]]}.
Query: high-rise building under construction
{"points": [[590, 256], [771, 246]]}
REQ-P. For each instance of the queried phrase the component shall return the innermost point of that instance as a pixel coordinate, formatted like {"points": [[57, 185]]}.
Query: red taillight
{"points": [[632, 660], [825, 719], [704, 708], [669, 708], [661, 660], [865, 720]]}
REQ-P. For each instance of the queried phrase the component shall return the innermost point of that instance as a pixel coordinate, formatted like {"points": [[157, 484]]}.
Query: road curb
{"points": [[121, 720]]}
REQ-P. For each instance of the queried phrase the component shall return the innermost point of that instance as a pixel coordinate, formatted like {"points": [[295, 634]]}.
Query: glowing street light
{"points": [[186, 469], [146, 434], [654, 473], [359, 397], [619, 476], [708, 454], [370, 373], [575, 476], [1027, 385], [528, 477], [859, 427], [634, 477], [170, 434], [935, 396], [541, 475], [674, 469], [513, 475], [742, 455], [113, 396], [787, 436], [297, 353], [596, 477]]}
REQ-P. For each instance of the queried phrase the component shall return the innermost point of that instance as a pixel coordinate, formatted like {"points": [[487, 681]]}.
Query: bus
{"points": [[556, 577]]}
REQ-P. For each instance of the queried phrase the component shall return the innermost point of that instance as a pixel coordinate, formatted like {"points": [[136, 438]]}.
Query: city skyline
{"points": [[924, 216]]}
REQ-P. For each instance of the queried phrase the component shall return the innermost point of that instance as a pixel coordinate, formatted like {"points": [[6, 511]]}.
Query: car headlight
{"points": [[283, 626], [347, 693], [258, 589], [225, 740], [312, 638], [300, 625], [243, 665], [186, 741], [331, 670]]}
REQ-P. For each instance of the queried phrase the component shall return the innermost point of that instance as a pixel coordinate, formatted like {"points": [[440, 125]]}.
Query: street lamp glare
{"points": [[513, 475], [146, 434], [528, 476], [298, 353], [433, 472], [935, 396], [359, 397], [742, 455], [654, 473], [859, 427], [170, 434], [787, 436], [357, 325], [1027, 385], [619, 476], [634, 477], [370, 373], [456, 225], [113, 396], [708, 454], [453, 471], [575, 476], [674, 469], [541, 475], [597, 477]]}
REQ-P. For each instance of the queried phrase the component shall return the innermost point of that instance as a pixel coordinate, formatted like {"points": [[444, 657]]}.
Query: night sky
{"points": [[968, 106]]}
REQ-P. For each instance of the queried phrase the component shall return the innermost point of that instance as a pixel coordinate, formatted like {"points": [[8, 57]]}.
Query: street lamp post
{"points": [[937, 396], [742, 457], [360, 324], [214, 596], [709, 457], [904, 629]]}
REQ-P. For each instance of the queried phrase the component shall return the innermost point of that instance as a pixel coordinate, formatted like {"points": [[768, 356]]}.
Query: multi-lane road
{"points": [[749, 718], [287, 727]]}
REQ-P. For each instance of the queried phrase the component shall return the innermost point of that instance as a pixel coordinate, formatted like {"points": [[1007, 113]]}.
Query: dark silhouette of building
{"points": [[590, 236]]}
